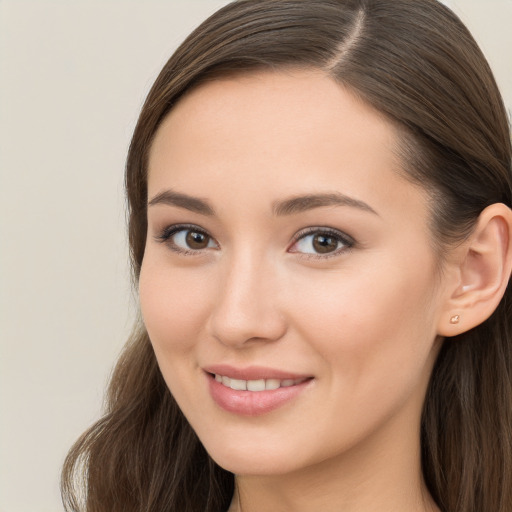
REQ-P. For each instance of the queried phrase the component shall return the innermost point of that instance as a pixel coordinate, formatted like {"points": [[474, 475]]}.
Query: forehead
{"points": [[290, 104], [279, 133]]}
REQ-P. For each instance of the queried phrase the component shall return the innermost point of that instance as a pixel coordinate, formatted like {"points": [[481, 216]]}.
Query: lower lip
{"points": [[253, 403]]}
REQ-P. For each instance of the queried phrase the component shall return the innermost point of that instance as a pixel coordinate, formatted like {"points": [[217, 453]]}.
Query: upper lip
{"points": [[252, 372]]}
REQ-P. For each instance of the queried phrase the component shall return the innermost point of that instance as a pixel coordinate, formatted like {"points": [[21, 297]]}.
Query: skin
{"points": [[361, 320]]}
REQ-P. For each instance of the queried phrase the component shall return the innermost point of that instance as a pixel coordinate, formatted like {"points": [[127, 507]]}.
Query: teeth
{"points": [[272, 384], [239, 385], [256, 385]]}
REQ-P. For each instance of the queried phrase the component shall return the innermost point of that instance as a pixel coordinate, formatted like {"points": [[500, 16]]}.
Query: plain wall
{"points": [[73, 75]]}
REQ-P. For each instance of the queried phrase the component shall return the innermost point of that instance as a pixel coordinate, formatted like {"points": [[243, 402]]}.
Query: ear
{"points": [[482, 268]]}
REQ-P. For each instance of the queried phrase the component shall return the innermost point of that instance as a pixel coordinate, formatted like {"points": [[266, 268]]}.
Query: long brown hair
{"points": [[415, 62]]}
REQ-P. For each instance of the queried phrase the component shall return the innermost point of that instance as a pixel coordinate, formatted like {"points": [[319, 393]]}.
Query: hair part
{"points": [[418, 65]]}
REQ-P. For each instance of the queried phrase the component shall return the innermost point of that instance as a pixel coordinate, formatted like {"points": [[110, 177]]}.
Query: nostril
{"points": [[237, 329]]}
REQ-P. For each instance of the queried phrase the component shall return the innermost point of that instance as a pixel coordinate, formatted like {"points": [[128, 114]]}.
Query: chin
{"points": [[251, 465], [253, 460]]}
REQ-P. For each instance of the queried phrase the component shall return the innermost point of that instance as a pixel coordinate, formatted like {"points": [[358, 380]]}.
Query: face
{"points": [[289, 286]]}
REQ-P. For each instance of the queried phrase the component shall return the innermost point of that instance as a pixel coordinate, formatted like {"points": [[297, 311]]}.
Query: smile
{"points": [[257, 385], [260, 392]]}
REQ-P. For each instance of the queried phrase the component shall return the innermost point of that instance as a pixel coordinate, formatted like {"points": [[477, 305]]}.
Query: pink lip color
{"points": [[252, 372], [252, 403]]}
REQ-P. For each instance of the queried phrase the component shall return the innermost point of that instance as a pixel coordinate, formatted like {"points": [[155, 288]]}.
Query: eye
{"points": [[322, 242], [187, 239]]}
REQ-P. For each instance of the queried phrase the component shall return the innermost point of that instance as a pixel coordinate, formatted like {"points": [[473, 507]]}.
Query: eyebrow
{"points": [[285, 207], [194, 204], [308, 202]]}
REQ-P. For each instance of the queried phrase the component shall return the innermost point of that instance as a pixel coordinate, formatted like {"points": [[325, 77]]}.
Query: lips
{"points": [[256, 385], [255, 390]]}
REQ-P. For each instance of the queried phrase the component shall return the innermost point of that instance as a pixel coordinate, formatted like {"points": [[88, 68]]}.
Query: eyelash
{"points": [[346, 240], [166, 235]]}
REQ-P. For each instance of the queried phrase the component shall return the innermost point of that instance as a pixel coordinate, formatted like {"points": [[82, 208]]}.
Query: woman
{"points": [[320, 231]]}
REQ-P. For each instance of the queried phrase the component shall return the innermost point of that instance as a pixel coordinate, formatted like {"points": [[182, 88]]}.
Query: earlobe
{"points": [[484, 265]]}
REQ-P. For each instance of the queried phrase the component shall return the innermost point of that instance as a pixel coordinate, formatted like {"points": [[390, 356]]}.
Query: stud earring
{"points": [[455, 319]]}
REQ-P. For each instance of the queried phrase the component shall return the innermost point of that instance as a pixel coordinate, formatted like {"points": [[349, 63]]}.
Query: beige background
{"points": [[73, 75]]}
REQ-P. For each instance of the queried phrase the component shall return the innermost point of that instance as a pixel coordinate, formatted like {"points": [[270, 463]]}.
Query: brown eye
{"points": [[320, 242], [323, 243], [196, 240], [187, 239]]}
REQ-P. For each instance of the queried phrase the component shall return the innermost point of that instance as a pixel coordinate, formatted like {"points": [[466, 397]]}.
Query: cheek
{"points": [[370, 324], [174, 305]]}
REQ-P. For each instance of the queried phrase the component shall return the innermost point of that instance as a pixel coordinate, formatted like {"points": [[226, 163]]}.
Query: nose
{"points": [[247, 308]]}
